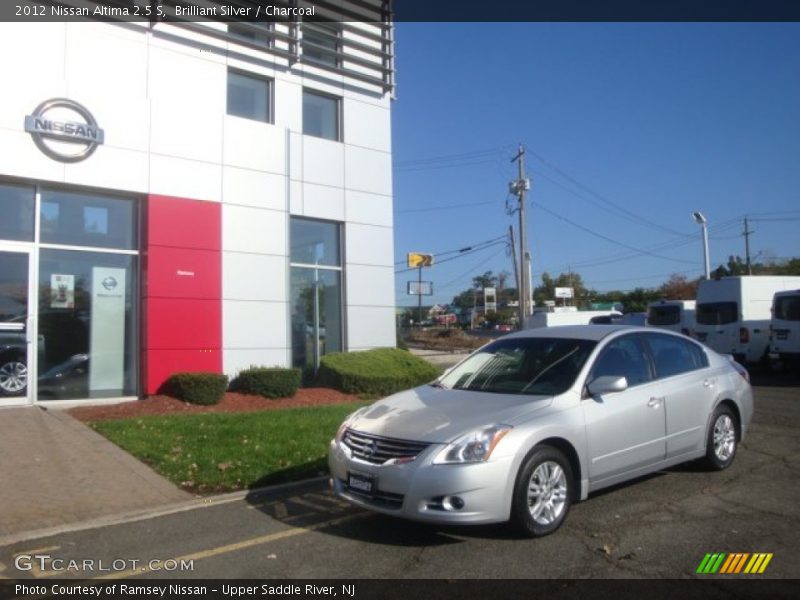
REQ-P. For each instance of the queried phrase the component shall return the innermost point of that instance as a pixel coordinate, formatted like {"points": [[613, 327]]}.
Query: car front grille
{"points": [[377, 450]]}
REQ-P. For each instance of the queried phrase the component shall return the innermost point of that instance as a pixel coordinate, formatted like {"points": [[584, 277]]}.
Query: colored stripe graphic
{"points": [[733, 563]]}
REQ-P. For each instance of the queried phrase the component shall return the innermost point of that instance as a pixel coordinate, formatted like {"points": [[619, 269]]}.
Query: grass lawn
{"points": [[231, 451]]}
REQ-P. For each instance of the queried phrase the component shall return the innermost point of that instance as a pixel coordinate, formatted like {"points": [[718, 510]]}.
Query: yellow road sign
{"points": [[418, 259]]}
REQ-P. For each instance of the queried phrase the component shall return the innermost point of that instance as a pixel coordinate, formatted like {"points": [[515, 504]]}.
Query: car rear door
{"points": [[689, 388]]}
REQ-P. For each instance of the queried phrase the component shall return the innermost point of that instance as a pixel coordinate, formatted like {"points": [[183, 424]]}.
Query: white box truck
{"points": [[675, 315], [784, 331], [733, 313]]}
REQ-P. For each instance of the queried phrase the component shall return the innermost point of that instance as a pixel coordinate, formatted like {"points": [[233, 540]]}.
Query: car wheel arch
{"points": [[568, 450], [736, 413]]}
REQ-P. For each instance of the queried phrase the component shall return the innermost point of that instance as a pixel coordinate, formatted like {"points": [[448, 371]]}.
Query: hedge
{"points": [[271, 382], [378, 372], [198, 388]]}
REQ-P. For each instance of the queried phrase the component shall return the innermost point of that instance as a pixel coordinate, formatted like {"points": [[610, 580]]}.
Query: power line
{"points": [[462, 249], [445, 207], [466, 253], [610, 206]]}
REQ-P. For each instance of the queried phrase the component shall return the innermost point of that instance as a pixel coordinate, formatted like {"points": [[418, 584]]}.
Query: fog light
{"points": [[452, 503]]}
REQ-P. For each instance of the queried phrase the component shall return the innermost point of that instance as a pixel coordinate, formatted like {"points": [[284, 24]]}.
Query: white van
{"points": [[675, 315], [574, 317], [784, 331], [733, 313]]}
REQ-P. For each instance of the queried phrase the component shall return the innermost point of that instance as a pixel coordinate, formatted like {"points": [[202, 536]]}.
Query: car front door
{"points": [[625, 430]]}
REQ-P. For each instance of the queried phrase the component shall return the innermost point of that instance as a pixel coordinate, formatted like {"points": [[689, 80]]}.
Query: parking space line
{"points": [[236, 546]]}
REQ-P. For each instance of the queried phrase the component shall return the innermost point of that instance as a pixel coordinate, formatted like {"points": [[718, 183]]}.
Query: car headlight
{"points": [[476, 446]]}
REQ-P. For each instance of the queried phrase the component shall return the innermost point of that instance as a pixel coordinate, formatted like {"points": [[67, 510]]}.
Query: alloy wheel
{"points": [[13, 377], [547, 492]]}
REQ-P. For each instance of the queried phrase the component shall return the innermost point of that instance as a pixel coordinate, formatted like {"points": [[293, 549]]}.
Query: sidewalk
{"points": [[55, 471]]}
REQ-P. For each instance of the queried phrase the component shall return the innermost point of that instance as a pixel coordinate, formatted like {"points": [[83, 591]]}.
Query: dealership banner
{"points": [[107, 341]]}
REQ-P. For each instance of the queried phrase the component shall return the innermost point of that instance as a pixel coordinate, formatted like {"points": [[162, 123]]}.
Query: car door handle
{"points": [[708, 383], [655, 402]]}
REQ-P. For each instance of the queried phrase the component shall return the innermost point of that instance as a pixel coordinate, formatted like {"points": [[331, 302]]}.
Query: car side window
{"points": [[673, 355], [624, 357]]}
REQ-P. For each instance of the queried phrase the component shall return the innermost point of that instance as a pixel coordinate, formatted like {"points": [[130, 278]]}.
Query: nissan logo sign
{"points": [[54, 137]]}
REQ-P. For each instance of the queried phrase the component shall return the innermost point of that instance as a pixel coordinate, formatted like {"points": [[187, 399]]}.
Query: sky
{"points": [[628, 129]]}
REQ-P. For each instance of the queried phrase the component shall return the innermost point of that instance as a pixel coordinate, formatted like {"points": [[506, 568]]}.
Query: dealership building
{"points": [[192, 196]]}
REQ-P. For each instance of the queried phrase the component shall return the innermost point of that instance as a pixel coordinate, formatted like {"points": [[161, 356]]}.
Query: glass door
{"points": [[16, 365]]}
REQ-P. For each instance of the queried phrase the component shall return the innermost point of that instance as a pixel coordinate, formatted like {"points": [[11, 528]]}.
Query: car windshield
{"points": [[536, 366]]}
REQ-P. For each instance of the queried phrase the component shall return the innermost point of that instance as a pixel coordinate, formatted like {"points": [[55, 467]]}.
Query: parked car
{"points": [[13, 363], [537, 420], [560, 318]]}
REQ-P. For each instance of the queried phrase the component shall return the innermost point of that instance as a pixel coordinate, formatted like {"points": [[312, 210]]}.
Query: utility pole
{"points": [[746, 234], [514, 260], [518, 188]]}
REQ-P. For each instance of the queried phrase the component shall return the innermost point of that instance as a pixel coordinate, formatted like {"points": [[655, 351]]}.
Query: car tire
{"points": [[13, 377], [722, 440], [543, 492]]}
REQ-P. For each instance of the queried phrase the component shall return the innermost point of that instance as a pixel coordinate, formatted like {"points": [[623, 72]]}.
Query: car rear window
{"points": [[717, 313], [664, 315], [787, 308], [674, 355]]}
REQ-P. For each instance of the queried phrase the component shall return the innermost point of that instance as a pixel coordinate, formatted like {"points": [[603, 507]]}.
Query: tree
{"points": [[678, 287], [488, 279]]}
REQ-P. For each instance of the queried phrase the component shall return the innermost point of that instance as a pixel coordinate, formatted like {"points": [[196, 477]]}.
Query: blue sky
{"points": [[629, 128]]}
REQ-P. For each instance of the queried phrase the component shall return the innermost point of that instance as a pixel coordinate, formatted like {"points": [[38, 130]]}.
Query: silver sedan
{"points": [[537, 420]]}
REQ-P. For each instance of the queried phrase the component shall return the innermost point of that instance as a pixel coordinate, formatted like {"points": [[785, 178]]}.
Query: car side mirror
{"points": [[607, 384]]}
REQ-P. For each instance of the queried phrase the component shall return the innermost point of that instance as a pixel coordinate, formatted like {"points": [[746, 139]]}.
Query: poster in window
{"points": [[62, 291]]}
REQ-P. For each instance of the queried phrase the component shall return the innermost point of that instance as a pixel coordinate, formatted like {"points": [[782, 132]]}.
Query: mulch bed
{"points": [[231, 402]]}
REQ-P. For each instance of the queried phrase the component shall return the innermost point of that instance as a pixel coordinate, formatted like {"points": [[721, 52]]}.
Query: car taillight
{"points": [[744, 335], [741, 370]]}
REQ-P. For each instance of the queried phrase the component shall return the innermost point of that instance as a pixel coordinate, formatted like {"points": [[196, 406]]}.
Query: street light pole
{"points": [[703, 222]]}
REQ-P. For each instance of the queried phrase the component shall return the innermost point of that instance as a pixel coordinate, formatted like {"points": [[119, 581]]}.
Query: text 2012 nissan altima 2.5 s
{"points": [[539, 419]]}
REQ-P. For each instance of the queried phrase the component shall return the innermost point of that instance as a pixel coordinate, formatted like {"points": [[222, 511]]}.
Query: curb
{"points": [[170, 509]]}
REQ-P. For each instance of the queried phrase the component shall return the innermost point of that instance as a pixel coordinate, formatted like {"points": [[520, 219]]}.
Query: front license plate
{"points": [[361, 482]]}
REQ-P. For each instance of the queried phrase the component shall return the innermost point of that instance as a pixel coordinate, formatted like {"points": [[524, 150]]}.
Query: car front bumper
{"points": [[473, 493]]}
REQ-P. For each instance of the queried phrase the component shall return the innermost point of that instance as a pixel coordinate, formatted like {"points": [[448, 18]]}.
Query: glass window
{"points": [[320, 42], [316, 305], [77, 219], [321, 115], [673, 355], [624, 357], [258, 34], [717, 313], [87, 325], [314, 242], [16, 212], [521, 366], [787, 308], [664, 315], [249, 96]]}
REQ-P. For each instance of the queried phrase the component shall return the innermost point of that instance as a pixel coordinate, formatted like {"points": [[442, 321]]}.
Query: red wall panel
{"points": [[183, 223], [182, 275]]}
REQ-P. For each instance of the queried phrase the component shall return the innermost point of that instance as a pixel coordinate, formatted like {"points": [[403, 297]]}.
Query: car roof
{"points": [[576, 332]]}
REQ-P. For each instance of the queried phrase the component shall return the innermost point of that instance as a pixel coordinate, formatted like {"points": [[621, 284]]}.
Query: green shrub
{"points": [[378, 372], [271, 382], [198, 388]]}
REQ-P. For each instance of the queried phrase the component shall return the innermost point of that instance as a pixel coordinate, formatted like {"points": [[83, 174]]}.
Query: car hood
{"points": [[438, 415]]}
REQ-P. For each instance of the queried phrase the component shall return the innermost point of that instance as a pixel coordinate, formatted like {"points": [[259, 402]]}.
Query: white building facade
{"points": [[191, 196]]}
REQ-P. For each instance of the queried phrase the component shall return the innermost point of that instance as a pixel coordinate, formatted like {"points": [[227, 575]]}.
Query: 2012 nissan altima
{"points": [[537, 420]]}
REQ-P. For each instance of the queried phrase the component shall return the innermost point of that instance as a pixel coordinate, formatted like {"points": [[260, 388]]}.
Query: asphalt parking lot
{"points": [[660, 526]]}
